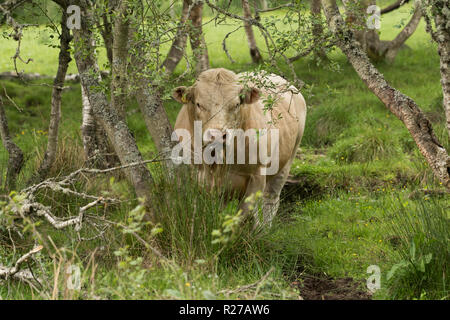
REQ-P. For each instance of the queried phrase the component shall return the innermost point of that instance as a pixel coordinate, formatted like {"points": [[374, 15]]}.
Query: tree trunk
{"points": [[15, 154], [441, 12], [254, 51], [106, 32], [105, 26], [399, 104], [356, 12], [97, 149], [149, 99], [395, 45], [55, 115], [179, 42], [119, 67], [156, 120], [369, 39], [264, 5], [111, 120], [317, 29], [88, 129], [197, 39]]}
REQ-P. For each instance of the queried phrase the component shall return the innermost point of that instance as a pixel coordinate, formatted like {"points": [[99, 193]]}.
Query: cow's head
{"points": [[216, 99]]}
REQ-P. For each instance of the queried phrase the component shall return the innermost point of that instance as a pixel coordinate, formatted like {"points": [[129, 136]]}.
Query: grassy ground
{"points": [[356, 175]]}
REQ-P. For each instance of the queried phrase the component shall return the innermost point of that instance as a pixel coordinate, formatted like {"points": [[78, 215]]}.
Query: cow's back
{"points": [[288, 114]]}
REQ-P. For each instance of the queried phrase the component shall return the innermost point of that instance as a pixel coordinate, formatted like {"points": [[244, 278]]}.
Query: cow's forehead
{"points": [[210, 90]]}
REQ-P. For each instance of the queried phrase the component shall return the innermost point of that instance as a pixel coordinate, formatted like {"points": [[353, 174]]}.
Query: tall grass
{"points": [[423, 233], [369, 144], [197, 223]]}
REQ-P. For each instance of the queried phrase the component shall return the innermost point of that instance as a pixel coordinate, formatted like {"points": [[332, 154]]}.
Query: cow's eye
{"points": [[198, 105]]}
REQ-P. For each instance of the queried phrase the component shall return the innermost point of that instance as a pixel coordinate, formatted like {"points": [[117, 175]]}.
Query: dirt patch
{"points": [[301, 188], [322, 288]]}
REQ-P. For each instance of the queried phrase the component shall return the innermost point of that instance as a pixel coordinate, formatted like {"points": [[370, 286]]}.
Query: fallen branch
{"points": [[15, 272], [29, 206], [12, 75]]}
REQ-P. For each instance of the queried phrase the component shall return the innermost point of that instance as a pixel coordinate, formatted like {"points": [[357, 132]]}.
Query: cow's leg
{"points": [[272, 194], [273, 189], [248, 205]]}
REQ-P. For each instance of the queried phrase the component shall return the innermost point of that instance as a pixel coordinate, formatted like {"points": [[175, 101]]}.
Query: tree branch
{"points": [[394, 6]]}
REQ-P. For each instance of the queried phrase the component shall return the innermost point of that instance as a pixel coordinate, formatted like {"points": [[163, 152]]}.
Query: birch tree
{"points": [[402, 106], [109, 116], [197, 39]]}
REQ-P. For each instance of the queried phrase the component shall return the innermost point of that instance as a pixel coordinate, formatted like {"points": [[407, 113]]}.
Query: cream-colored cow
{"points": [[221, 101]]}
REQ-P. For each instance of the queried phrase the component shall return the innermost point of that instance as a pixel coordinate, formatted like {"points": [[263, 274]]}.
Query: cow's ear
{"points": [[249, 95], [181, 94]]}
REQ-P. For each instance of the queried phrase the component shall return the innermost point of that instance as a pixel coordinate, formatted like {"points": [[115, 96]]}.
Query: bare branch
{"points": [[394, 6], [286, 5], [15, 272], [224, 44]]}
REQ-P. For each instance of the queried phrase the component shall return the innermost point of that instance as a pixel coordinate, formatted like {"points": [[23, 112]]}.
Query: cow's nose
{"points": [[213, 134]]}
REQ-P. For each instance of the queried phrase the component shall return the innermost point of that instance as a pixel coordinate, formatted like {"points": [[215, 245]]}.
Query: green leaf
{"points": [[395, 268], [421, 265]]}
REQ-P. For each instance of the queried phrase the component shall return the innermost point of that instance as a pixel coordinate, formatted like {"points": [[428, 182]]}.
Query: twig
{"points": [[11, 100], [224, 45], [286, 5]]}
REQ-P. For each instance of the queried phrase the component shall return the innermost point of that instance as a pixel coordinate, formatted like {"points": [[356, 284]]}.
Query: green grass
{"points": [[357, 167]]}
